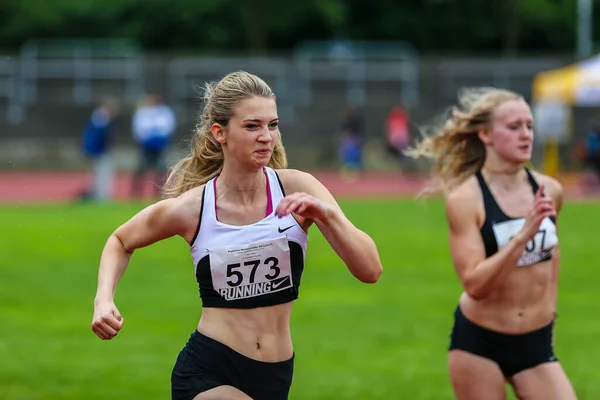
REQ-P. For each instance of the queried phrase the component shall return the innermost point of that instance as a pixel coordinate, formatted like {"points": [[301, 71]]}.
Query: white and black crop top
{"points": [[498, 228], [248, 266]]}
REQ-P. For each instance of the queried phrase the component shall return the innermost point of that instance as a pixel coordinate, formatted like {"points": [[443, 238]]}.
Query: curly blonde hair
{"points": [[454, 144], [205, 160]]}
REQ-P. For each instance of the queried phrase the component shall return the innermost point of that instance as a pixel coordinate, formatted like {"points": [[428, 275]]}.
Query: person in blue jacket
{"points": [[96, 144]]}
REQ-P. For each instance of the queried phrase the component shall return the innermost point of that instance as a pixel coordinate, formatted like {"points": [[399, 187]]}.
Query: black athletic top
{"points": [[498, 228]]}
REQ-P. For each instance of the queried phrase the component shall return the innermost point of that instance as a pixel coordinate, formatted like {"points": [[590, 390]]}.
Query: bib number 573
{"points": [[236, 277]]}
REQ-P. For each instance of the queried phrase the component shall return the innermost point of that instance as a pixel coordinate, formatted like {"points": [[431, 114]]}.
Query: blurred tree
{"points": [[550, 24], [510, 10], [261, 26], [265, 21]]}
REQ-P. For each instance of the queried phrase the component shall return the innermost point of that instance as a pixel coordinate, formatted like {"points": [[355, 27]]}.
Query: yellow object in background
{"points": [[551, 160]]}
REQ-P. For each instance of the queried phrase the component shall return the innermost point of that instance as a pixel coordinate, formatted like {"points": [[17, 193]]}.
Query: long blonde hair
{"points": [[454, 144], [205, 160]]}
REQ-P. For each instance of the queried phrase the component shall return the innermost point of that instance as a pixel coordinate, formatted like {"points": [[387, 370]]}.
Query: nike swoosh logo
{"points": [[284, 229], [275, 286]]}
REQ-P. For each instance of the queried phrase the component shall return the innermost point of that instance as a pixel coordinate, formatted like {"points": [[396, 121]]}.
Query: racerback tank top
{"points": [[248, 266]]}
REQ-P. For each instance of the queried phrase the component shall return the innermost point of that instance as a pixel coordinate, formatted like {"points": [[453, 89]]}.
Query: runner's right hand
{"points": [[107, 321], [543, 207]]}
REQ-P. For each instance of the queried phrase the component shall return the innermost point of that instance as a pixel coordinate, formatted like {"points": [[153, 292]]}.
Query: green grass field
{"points": [[353, 341]]}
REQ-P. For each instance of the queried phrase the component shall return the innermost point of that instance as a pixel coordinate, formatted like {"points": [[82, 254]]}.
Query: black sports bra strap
{"points": [[492, 209], [485, 190], [532, 181], [200, 218]]}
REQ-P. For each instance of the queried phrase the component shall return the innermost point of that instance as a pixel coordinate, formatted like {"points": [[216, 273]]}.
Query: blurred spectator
{"points": [[352, 143], [592, 155], [586, 152], [397, 131], [96, 148], [153, 127]]}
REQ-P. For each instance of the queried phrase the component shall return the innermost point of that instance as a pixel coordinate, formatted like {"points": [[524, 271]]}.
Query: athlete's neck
{"points": [[242, 186], [503, 173], [494, 164], [505, 178]]}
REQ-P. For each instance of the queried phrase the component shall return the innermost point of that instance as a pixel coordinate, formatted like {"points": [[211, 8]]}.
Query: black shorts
{"points": [[205, 363], [512, 353]]}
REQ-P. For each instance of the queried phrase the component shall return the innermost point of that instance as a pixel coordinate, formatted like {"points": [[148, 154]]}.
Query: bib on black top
{"points": [[498, 228]]}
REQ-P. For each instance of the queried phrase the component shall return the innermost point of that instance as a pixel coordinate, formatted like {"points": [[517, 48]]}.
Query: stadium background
{"points": [[387, 341]]}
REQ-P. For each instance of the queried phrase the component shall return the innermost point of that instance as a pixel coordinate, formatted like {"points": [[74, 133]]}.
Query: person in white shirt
{"points": [[153, 127]]}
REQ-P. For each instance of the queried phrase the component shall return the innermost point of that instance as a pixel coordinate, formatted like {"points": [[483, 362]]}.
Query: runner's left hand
{"points": [[305, 206]]}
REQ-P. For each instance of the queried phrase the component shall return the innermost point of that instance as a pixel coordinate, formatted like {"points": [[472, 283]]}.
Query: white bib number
{"points": [[537, 249], [239, 272]]}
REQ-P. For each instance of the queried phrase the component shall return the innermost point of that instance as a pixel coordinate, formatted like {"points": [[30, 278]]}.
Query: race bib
{"points": [[538, 249], [240, 272]]}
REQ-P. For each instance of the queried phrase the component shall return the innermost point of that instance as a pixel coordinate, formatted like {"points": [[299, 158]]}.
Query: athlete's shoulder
{"points": [[184, 207], [194, 194], [552, 187], [468, 191], [549, 182], [465, 199], [294, 180], [291, 174]]}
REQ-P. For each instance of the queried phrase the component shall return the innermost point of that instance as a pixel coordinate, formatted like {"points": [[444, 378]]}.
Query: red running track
{"points": [[50, 187]]}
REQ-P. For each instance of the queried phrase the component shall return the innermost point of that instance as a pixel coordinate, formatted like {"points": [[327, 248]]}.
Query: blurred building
{"points": [[48, 90]]}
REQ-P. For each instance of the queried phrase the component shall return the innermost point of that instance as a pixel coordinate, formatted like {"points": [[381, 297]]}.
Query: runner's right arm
{"points": [[159, 221]]}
